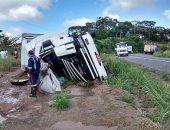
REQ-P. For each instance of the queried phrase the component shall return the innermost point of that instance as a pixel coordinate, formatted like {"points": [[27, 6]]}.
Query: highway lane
{"points": [[150, 62]]}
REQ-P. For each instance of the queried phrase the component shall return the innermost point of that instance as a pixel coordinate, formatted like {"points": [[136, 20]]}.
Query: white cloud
{"points": [[16, 10], [77, 22], [130, 4], [107, 12], [25, 12], [167, 13]]}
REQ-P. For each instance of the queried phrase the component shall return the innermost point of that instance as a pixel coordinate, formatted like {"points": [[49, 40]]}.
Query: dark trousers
{"points": [[34, 79]]}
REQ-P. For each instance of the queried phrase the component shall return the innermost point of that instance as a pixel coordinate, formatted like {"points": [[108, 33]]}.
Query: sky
{"points": [[48, 16]]}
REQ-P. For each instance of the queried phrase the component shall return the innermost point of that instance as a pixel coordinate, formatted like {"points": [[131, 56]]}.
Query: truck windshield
{"points": [[121, 45]]}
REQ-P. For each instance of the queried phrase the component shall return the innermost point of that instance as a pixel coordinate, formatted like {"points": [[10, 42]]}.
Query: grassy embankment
{"points": [[165, 51], [8, 64], [163, 54], [139, 83]]}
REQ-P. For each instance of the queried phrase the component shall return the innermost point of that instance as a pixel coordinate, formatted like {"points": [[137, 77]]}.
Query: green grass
{"points": [[2, 127], [61, 101], [158, 54], [166, 77], [7, 64], [137, 81], [128, 99], [165, 53], [148, 104]]}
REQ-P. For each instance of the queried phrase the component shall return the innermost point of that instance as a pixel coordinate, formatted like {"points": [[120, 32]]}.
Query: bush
{"points": [[136, 43], [166, 53], [108, 45], [166, 77], [61, 101], [158, 54], [8, 64], [163, 54]]}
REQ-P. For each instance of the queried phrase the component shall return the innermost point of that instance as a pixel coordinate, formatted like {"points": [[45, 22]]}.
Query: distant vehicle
{"points": [[149, 49], [130, 49], [74, 57], [122, 49]]}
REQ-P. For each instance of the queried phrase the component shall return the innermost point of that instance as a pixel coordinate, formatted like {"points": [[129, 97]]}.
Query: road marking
{"points": [[150, 59]]}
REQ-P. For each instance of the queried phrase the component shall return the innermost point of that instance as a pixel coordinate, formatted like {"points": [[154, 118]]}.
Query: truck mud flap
{"points": [[73, 73]]}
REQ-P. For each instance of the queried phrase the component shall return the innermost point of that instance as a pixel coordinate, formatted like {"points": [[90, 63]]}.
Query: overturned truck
{"points": [[74, 57]]}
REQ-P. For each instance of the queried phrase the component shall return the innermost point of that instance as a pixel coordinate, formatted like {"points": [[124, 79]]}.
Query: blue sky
{"points": [[46, 16]]}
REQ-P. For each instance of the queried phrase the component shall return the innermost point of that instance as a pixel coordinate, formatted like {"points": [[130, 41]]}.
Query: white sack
{"points": [[49, 83]]}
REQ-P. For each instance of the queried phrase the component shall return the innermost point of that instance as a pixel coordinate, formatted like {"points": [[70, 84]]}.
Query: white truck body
{"points": [[149, 48], [129, 49], [75, 57], [121, 49]]}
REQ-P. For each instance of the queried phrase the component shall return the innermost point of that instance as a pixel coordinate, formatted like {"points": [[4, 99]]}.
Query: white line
{"points": [[150, 59]]}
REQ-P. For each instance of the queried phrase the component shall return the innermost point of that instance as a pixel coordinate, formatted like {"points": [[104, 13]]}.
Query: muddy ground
{"points": [[95, 108]]}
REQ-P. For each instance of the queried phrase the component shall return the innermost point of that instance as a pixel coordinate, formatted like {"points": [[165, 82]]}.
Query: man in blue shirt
{"points": [[33, 72]]}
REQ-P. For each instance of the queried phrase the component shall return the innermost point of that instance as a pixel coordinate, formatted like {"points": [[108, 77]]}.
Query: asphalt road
{"points": [[150, 62]]}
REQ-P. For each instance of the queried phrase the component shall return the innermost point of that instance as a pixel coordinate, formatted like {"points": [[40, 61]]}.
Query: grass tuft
{"points": [[128, 99], [166, 77], [2, 127], [148, 103], [61, 101]]}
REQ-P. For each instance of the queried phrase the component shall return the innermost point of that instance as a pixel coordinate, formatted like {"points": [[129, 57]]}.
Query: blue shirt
{"points": [[34, 64]]}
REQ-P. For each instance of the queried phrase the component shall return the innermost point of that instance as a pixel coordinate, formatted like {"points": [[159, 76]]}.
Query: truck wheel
{"points": [[127, 54]]}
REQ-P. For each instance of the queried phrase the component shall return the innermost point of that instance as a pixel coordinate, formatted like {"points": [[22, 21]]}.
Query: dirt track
{"points": [[90, 108]]}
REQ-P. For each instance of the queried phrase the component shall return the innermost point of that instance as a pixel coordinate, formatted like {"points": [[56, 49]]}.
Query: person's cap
{"points": [[30, 52]]}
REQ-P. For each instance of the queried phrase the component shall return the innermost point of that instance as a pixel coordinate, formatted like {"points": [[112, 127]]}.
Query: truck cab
{"points": [[74, 57], [121, 49]]}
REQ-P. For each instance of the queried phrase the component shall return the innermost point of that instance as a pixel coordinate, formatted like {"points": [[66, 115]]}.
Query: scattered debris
{"points": [[20, 82], [2, 120], [50, 103], [6, 96]]}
